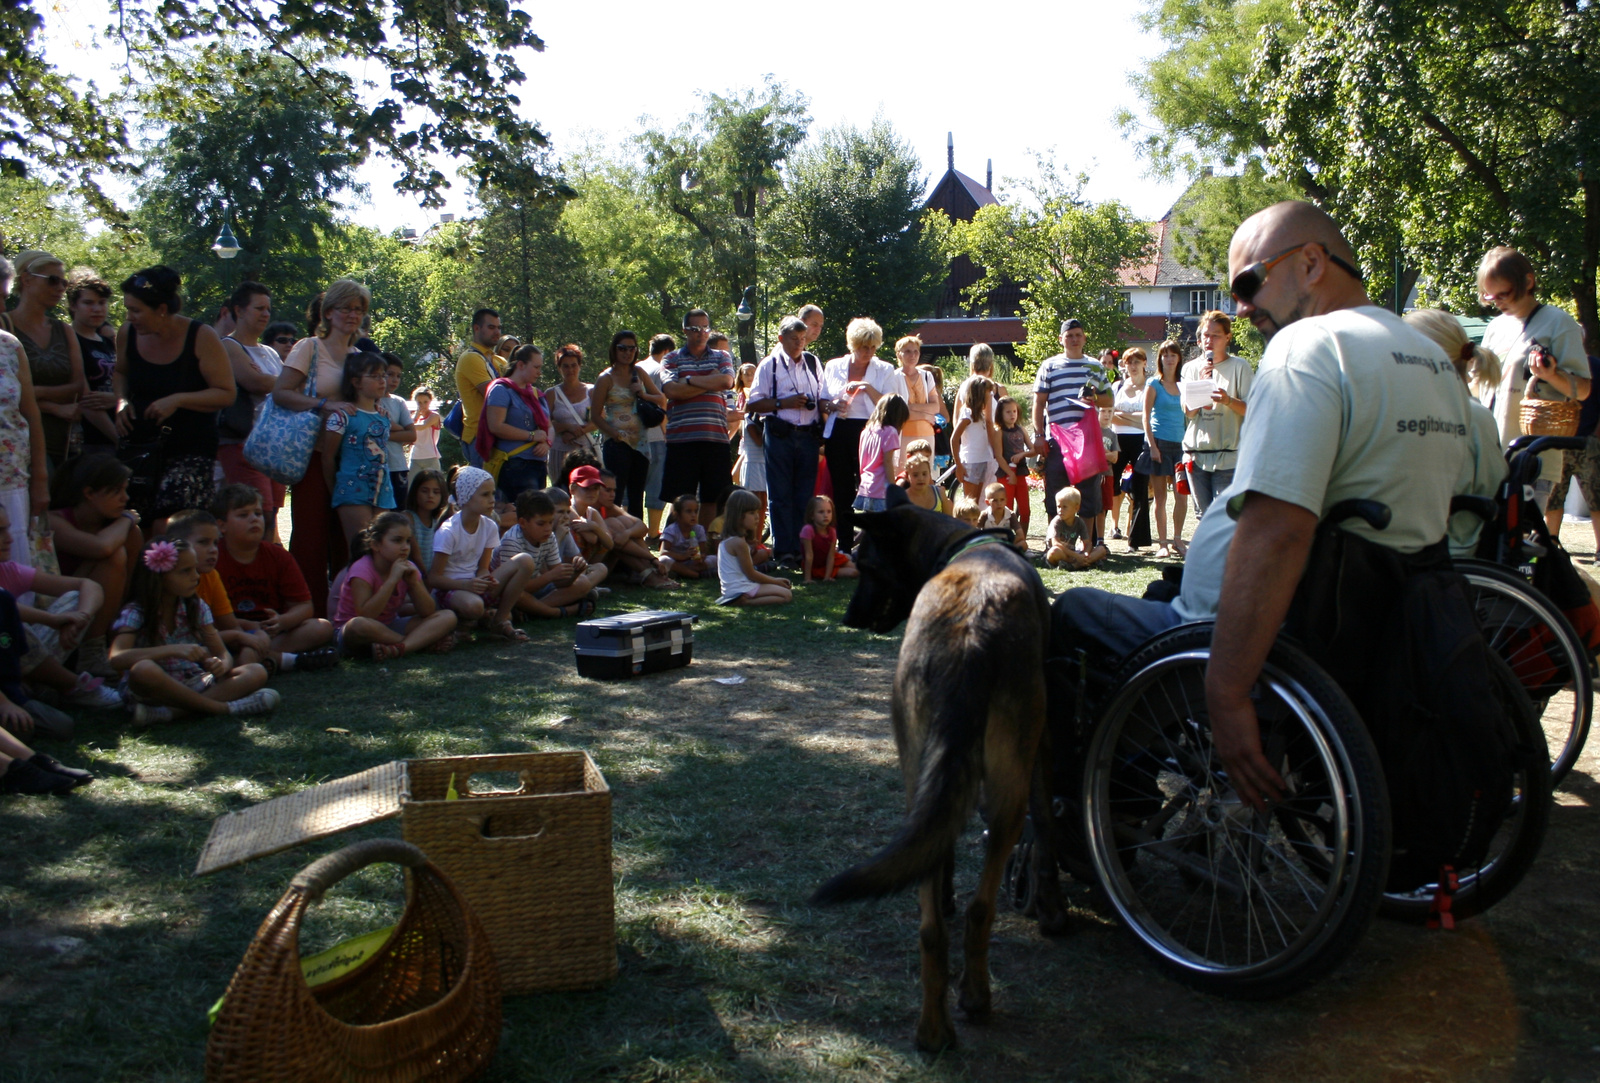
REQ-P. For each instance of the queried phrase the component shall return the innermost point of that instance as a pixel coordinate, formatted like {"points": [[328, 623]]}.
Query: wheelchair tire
{"points": [[1544, 651], [1231, 901], [1517, 843]]}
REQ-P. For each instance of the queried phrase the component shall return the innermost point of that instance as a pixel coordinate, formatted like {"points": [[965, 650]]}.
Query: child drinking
{"points": [[741, 583], [820, 558], [166, 647], [356, 446], [462, 548], [1015, 447], [1068, 539], [97, 537], [879, 447], [266, 588], [997, 516], [426, 506], [377, 585], [558, 584], [685, 546]]}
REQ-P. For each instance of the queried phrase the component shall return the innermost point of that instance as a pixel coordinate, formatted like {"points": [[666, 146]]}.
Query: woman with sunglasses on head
{"points": [[1211, 433], [172, 377], [568, 403], [1541, 353], [613, 407], [53, 358], [88, 299]]}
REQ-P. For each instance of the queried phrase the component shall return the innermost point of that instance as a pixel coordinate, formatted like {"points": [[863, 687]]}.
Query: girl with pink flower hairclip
{"points": [[171, 657]]}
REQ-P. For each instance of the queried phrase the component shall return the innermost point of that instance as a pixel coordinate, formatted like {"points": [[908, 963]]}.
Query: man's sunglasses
{"points": [[1248, 282]]}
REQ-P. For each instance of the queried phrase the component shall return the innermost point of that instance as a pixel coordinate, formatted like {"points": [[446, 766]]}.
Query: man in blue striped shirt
{"points": [[694, 376], [1064, 383]]}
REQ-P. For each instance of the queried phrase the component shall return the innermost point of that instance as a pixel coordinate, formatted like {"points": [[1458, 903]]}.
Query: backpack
{"points": [[1398, 633]]}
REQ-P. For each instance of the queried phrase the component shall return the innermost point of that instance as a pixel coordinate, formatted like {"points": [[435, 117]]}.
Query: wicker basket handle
{"points": [[323, 873]]}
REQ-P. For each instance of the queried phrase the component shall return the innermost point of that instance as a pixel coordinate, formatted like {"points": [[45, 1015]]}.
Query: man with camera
{"points": [[787, 387]]}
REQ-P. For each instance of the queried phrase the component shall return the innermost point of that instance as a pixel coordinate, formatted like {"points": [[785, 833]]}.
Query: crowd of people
{"points": [[140, 564]]}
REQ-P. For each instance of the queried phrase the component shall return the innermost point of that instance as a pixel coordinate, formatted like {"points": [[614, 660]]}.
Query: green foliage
{"points": [[415, 293], [1213, 208], [845, 233], [714, 171], [262, 152], [34, 214], [1067, 252]]}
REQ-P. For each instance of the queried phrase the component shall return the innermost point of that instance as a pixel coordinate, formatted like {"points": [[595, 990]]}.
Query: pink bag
{"points": [[1082, 451]]}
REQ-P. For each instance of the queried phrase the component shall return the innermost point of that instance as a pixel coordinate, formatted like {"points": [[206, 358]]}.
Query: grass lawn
{"points": [[731, 804]]}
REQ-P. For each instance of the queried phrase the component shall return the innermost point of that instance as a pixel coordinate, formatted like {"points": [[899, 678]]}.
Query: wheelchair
{"points": [[1523, 623], [1228, 899]]}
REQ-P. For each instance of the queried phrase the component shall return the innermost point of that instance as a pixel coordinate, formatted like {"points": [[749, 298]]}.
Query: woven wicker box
{"points": [[534, 862]]}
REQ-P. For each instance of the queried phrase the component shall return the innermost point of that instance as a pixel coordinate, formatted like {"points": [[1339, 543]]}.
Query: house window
{"points": [[1199, 301], [1125, 302]]}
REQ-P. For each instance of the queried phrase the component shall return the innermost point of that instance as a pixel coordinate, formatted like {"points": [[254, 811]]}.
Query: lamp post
{"points": [[746, 317], [225, 248]]}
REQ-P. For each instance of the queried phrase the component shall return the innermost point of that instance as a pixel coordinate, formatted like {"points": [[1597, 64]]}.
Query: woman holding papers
{"points": [[1215, 386]]}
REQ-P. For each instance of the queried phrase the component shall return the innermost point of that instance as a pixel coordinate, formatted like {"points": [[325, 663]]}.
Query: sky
{"points": [[1035, 75]]}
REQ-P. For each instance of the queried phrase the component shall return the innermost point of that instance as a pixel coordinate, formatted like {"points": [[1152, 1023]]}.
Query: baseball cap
{"points": [[1072, 324], [586, 477]]}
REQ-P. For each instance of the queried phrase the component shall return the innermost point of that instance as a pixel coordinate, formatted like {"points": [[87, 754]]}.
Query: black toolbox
{"points": [[633, 643]]}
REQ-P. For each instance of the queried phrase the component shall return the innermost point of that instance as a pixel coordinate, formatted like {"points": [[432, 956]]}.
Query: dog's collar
{"points": [[970, 542]]}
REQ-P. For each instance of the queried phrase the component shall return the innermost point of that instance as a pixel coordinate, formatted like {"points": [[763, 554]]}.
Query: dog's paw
{"points": [[1056, 923], [975, 1001], [936, 1035]]}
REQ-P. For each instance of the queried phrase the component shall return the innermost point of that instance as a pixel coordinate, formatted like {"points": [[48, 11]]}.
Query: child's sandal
{"points": [[510, 632]]}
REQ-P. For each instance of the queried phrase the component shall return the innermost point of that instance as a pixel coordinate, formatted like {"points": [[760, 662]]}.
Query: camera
{"points": [[811, 403]]}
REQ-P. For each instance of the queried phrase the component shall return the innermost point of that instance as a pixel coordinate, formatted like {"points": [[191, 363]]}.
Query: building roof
{"points": [[1167, 269], [965, 332]]}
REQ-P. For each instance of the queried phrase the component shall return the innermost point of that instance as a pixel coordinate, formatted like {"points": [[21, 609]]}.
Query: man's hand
{"points": [[1236, 736]]}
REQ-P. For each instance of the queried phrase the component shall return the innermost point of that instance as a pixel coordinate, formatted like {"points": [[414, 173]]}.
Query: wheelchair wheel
{"points": [[1230, 900], [1539, 644], [1516, 844]]}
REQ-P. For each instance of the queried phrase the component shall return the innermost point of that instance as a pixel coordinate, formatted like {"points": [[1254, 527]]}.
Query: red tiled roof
{"points": [[1144, 274], [964, 332]]}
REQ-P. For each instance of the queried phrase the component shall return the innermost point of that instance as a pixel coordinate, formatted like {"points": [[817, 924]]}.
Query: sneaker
{"points": [[145, 714], [50, 722], [321, 658], [94, 693], [27, 777], [261, 701], [78, 775], [1116, 533]]}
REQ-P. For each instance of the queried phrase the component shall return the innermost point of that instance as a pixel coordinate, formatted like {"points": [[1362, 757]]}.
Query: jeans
{"points": [[1055, 479], [791, 479], [656, 452], [1130, 445], [1115, 622], [631, 469], [519, 475], [1205, 485]]}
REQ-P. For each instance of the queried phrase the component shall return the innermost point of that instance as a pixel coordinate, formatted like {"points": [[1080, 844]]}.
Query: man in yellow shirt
{"points": [[475, 367]]}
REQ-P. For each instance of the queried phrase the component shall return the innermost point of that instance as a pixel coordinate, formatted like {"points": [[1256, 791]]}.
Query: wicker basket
{"points": [[1546, 417], [425, 1006], [534, 862]]}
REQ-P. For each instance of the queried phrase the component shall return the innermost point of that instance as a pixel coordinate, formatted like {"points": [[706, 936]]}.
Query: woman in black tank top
{"points": [[168, 426]]}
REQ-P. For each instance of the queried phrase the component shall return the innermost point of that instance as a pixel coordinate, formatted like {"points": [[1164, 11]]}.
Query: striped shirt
{"points": [[1061, 380], [704, 417]]}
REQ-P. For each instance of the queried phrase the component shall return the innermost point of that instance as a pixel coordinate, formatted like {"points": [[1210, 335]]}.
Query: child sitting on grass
{"points": [[1067, 539], [820, 558], [741, 583], [685, 545], [996, 516], [460, 576], [164, 643], [593, 491], [378, 583], [425, 504], [967, 509], [97, 537], [557, 586], [267, 590], [568, 530]]}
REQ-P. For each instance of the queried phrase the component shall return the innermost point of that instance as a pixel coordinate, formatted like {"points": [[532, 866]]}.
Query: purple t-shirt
{"points": [[367, 572], [16, 579], [875, 446]]}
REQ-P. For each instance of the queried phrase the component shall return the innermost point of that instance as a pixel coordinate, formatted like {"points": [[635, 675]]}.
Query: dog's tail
{"points": [[947, 792]]}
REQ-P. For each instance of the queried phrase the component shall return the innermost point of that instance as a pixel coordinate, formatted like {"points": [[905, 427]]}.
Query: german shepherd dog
{"points": [[969, 711]]}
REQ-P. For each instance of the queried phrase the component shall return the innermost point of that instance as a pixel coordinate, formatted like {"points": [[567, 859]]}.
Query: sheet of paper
{"points": [[735, 679], [1196, 393]]}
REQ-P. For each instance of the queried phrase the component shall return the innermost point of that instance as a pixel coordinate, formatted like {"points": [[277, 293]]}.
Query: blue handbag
{"points": [[281, 443]]}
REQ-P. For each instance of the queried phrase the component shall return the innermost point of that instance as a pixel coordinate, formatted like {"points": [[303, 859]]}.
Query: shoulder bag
{"points": [[281, 442]]}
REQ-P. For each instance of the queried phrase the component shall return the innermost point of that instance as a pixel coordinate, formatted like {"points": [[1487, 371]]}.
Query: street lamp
{"points": [[746, 317], [225, 248]]}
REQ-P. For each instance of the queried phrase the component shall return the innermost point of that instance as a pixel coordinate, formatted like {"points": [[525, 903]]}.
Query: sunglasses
{"points": [[54, 280], [697, 330], [282, 340], [1248, 282]]}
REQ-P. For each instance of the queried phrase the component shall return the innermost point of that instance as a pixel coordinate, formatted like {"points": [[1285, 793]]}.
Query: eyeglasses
{"points": [[1248, 282], [1496, 298], [282, 340], [54, 280], [632, 347], [351, 310]]}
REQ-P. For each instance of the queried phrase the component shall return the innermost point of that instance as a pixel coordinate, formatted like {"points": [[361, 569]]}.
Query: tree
{"points": [[1214, 207], [263, 154], [1068, 254], [449, 73], [714, 171], [34, 214], [846, 232]]}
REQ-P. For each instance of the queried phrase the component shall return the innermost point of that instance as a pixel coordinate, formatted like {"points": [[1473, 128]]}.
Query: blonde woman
{"points": [[316, 540], [915, 384], [54, 359], [851, 388]]}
